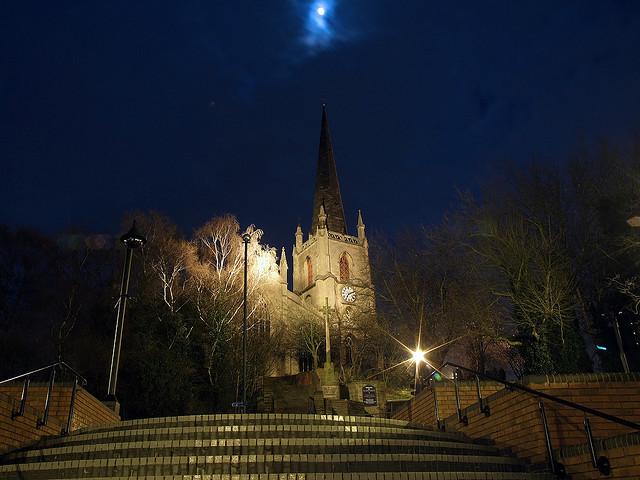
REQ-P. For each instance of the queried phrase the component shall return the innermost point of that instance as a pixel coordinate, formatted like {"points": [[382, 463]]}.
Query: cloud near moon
{"points": [[319, 24], [324, 24]]}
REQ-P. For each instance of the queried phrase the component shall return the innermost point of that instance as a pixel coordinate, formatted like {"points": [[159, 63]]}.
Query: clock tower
{"points": [[331, 266]]}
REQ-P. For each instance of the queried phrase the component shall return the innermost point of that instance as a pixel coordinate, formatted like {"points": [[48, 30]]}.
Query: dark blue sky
{"points": [[200, 108]]}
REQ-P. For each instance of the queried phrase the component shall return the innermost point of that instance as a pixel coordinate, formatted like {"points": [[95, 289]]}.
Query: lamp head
{"points": [[246, 237], [418, 356], [133, 238]]}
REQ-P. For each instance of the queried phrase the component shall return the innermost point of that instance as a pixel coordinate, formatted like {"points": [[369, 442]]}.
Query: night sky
{"points": [[198, 108]]}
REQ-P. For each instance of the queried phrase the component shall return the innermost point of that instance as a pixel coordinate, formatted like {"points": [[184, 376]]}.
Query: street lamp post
{"points": [[623, 356], [418, 356], [131, 240], [245, 238]]}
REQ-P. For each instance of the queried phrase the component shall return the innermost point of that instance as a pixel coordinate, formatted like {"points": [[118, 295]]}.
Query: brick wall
{"points": [[615, 394], [21, 430], [515, 421], [623, 452], [419, 410], [422, 408], [88, 411]]}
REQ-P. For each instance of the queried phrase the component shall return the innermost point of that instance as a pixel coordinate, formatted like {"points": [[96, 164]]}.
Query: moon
{"points": [[319, 23]]}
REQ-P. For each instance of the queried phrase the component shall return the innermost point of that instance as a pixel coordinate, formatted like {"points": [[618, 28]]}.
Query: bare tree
{"points": [[538, 280], [306, 330], [216, 275]]}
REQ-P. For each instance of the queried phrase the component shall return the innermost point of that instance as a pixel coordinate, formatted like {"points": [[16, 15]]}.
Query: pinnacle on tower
{"points": [[327, 190], [322, 217], [298, 237], [360, 226], [284, 267]]}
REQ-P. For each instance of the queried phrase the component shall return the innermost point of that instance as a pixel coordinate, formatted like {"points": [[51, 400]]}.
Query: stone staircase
{"points": [[262, 447], [286, 395]]}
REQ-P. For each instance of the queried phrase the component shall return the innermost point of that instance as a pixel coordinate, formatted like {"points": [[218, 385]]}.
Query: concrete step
{"points": [[361, 446], [287, 397], [229, 432], [262, 447], [256, 464], [255, 419], [338, 476]]}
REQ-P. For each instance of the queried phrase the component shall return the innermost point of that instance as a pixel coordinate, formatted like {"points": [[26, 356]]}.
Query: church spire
{"points": [[327, 191]]}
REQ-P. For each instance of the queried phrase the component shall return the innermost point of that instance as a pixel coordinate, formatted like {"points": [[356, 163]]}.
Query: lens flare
{"points": [[418, 356]]}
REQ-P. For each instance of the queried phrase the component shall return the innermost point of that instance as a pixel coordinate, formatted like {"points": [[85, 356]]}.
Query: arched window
{"points": [[261, 323], [344, 268], [309, 271]]}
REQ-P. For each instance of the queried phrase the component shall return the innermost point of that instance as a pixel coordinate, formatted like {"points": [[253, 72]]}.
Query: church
{"points": [[331, 269]]}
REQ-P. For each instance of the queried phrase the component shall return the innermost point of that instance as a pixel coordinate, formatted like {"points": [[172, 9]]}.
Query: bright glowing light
{"points": [[262, 264], [320, 24], [418, 356]]}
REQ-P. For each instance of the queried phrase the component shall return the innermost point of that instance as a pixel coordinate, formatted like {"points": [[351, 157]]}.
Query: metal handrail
{"points": [[601, 463], [53, 365], [26, 377], [546, 396]]}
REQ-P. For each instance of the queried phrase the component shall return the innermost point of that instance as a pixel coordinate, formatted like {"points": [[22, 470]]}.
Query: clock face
{"points": [[348, 295]]}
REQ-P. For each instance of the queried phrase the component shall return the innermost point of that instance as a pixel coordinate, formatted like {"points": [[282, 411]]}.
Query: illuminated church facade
{"points": [[331, 268]]}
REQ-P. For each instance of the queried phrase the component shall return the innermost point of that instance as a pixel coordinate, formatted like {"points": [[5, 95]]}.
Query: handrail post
{"points": [[556, 468], [439, 423], [23, 399], [515, 386], [461, 418], [479, 393], [600, 463], [484, 407], [72, 403], [592, 448], [455, 386], [47, 402]]}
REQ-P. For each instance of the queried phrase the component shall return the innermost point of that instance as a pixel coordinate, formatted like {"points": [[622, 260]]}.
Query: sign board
{"points": [[331, 392], [369, 395]]}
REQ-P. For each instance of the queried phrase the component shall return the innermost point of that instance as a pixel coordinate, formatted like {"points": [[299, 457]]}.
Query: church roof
{"points": [[327, 191]]}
